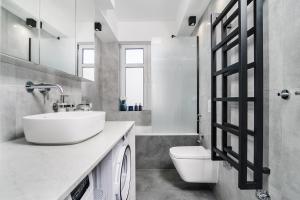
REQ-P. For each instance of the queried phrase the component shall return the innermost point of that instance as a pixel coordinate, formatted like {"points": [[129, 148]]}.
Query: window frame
{"points": [[146, 71], [80, 65]]}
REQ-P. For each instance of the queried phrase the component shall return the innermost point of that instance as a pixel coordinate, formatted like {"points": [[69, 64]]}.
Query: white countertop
{"points": [[33, 172]]}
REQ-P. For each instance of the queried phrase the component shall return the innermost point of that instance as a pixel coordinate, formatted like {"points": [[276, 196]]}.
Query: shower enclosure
{"points": [[174, 85]]}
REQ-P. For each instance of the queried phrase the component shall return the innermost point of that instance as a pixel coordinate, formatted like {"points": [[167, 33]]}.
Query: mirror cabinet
{"points": [[51, 33]]}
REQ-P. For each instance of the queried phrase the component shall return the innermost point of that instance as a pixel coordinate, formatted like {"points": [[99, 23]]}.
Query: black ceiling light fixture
{"points": [[30, 22], [192, 20], [98, 26]]}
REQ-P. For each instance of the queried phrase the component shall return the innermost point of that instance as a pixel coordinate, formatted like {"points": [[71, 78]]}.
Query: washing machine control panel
{"points": [[80, 190], [83, 191]]}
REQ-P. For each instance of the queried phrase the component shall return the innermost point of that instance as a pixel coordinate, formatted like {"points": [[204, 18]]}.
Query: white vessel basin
{"points": [[63, 127]]}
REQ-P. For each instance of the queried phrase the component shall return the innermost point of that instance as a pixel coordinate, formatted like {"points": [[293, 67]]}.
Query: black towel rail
{"points": [[239, 37]]}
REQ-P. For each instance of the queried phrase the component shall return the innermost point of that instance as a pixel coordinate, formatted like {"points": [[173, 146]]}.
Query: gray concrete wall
{"points": [[281, 57], [16, 102], [284, 72], [104, 93]]}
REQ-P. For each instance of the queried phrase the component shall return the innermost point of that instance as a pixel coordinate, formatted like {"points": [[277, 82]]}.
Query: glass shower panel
{"points": [[174, 84]]}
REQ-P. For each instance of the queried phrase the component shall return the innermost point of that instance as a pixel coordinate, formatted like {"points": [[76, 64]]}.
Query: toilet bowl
{"points": [[194, 164]]}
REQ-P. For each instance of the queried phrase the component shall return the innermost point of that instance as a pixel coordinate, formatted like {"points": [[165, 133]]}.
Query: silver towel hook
{"points": [[284, 94]]}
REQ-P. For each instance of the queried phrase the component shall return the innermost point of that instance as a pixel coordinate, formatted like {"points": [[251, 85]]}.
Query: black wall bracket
{"points": [[230, 38]]}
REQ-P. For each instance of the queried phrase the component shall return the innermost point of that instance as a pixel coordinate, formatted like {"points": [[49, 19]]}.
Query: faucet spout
{"points": [[60, 88], [43, 87]]}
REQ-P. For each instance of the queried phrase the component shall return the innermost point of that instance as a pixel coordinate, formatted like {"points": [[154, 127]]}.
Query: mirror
{"points": [[57, 35], [85, 18], [19, 29], [54, 33]]}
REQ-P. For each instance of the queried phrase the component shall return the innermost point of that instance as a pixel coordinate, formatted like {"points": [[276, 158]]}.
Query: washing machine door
{"points": [[123, 174]]}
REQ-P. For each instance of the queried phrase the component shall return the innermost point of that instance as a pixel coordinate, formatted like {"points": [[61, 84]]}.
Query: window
{"points": [[86, 61], [134, 85], [88, 56], [135, 73], [88, 73], [134, 56]]}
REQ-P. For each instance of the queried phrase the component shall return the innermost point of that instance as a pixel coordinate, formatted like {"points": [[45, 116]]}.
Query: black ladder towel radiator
{"points": [[230, 39]]}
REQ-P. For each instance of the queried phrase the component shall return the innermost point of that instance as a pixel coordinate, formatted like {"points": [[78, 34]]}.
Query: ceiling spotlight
{"points": [[98, 26], [30, 22], [192, 20]]}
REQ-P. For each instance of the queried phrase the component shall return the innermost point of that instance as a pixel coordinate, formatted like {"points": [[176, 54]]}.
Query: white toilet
{"points": [[194, 164]]}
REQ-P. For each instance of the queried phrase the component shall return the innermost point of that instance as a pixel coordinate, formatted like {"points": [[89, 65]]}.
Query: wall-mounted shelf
{"points": [[230, 38]]}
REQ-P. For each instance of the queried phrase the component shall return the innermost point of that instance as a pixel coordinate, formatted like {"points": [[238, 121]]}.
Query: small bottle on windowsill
{"points": [[130, 108], [123, 104], [140, 107], [136, 107]]}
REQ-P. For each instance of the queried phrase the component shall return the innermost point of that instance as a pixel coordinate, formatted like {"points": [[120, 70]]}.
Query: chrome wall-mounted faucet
{"points": [[44, 88]]}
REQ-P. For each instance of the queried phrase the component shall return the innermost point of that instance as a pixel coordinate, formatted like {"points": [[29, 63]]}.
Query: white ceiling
{"points": [[195, 8], [147, 10], [85, 10], [142, 20]]}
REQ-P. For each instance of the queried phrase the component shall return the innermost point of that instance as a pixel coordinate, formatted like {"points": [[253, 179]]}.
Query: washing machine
{"points": [[112, 176]]}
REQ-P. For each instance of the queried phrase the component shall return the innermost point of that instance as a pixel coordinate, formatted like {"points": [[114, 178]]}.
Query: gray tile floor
{"points": [[165, 184]]}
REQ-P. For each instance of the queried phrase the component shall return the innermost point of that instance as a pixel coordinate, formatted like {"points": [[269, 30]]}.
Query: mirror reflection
{"points": [[85, 18], [58, 31], [53, 33], [19, 29]]}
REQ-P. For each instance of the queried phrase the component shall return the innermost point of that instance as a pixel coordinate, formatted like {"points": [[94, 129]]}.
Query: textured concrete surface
{"points": [[141, 118], [284, 72], [155, 184]]}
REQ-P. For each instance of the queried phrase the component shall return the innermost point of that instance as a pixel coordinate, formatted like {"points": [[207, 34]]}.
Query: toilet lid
{"points": [[190, 152]]}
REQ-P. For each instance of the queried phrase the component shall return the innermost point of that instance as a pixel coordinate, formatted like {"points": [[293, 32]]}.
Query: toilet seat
{"points": [[190, 152]]}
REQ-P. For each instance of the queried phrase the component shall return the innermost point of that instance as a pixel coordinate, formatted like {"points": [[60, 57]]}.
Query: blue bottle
{"points": [[136, 107], [123, 105], [130, 108]]}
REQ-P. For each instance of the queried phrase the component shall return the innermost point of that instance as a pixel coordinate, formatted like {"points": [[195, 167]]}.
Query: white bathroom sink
{"points": [[63, 127]]}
